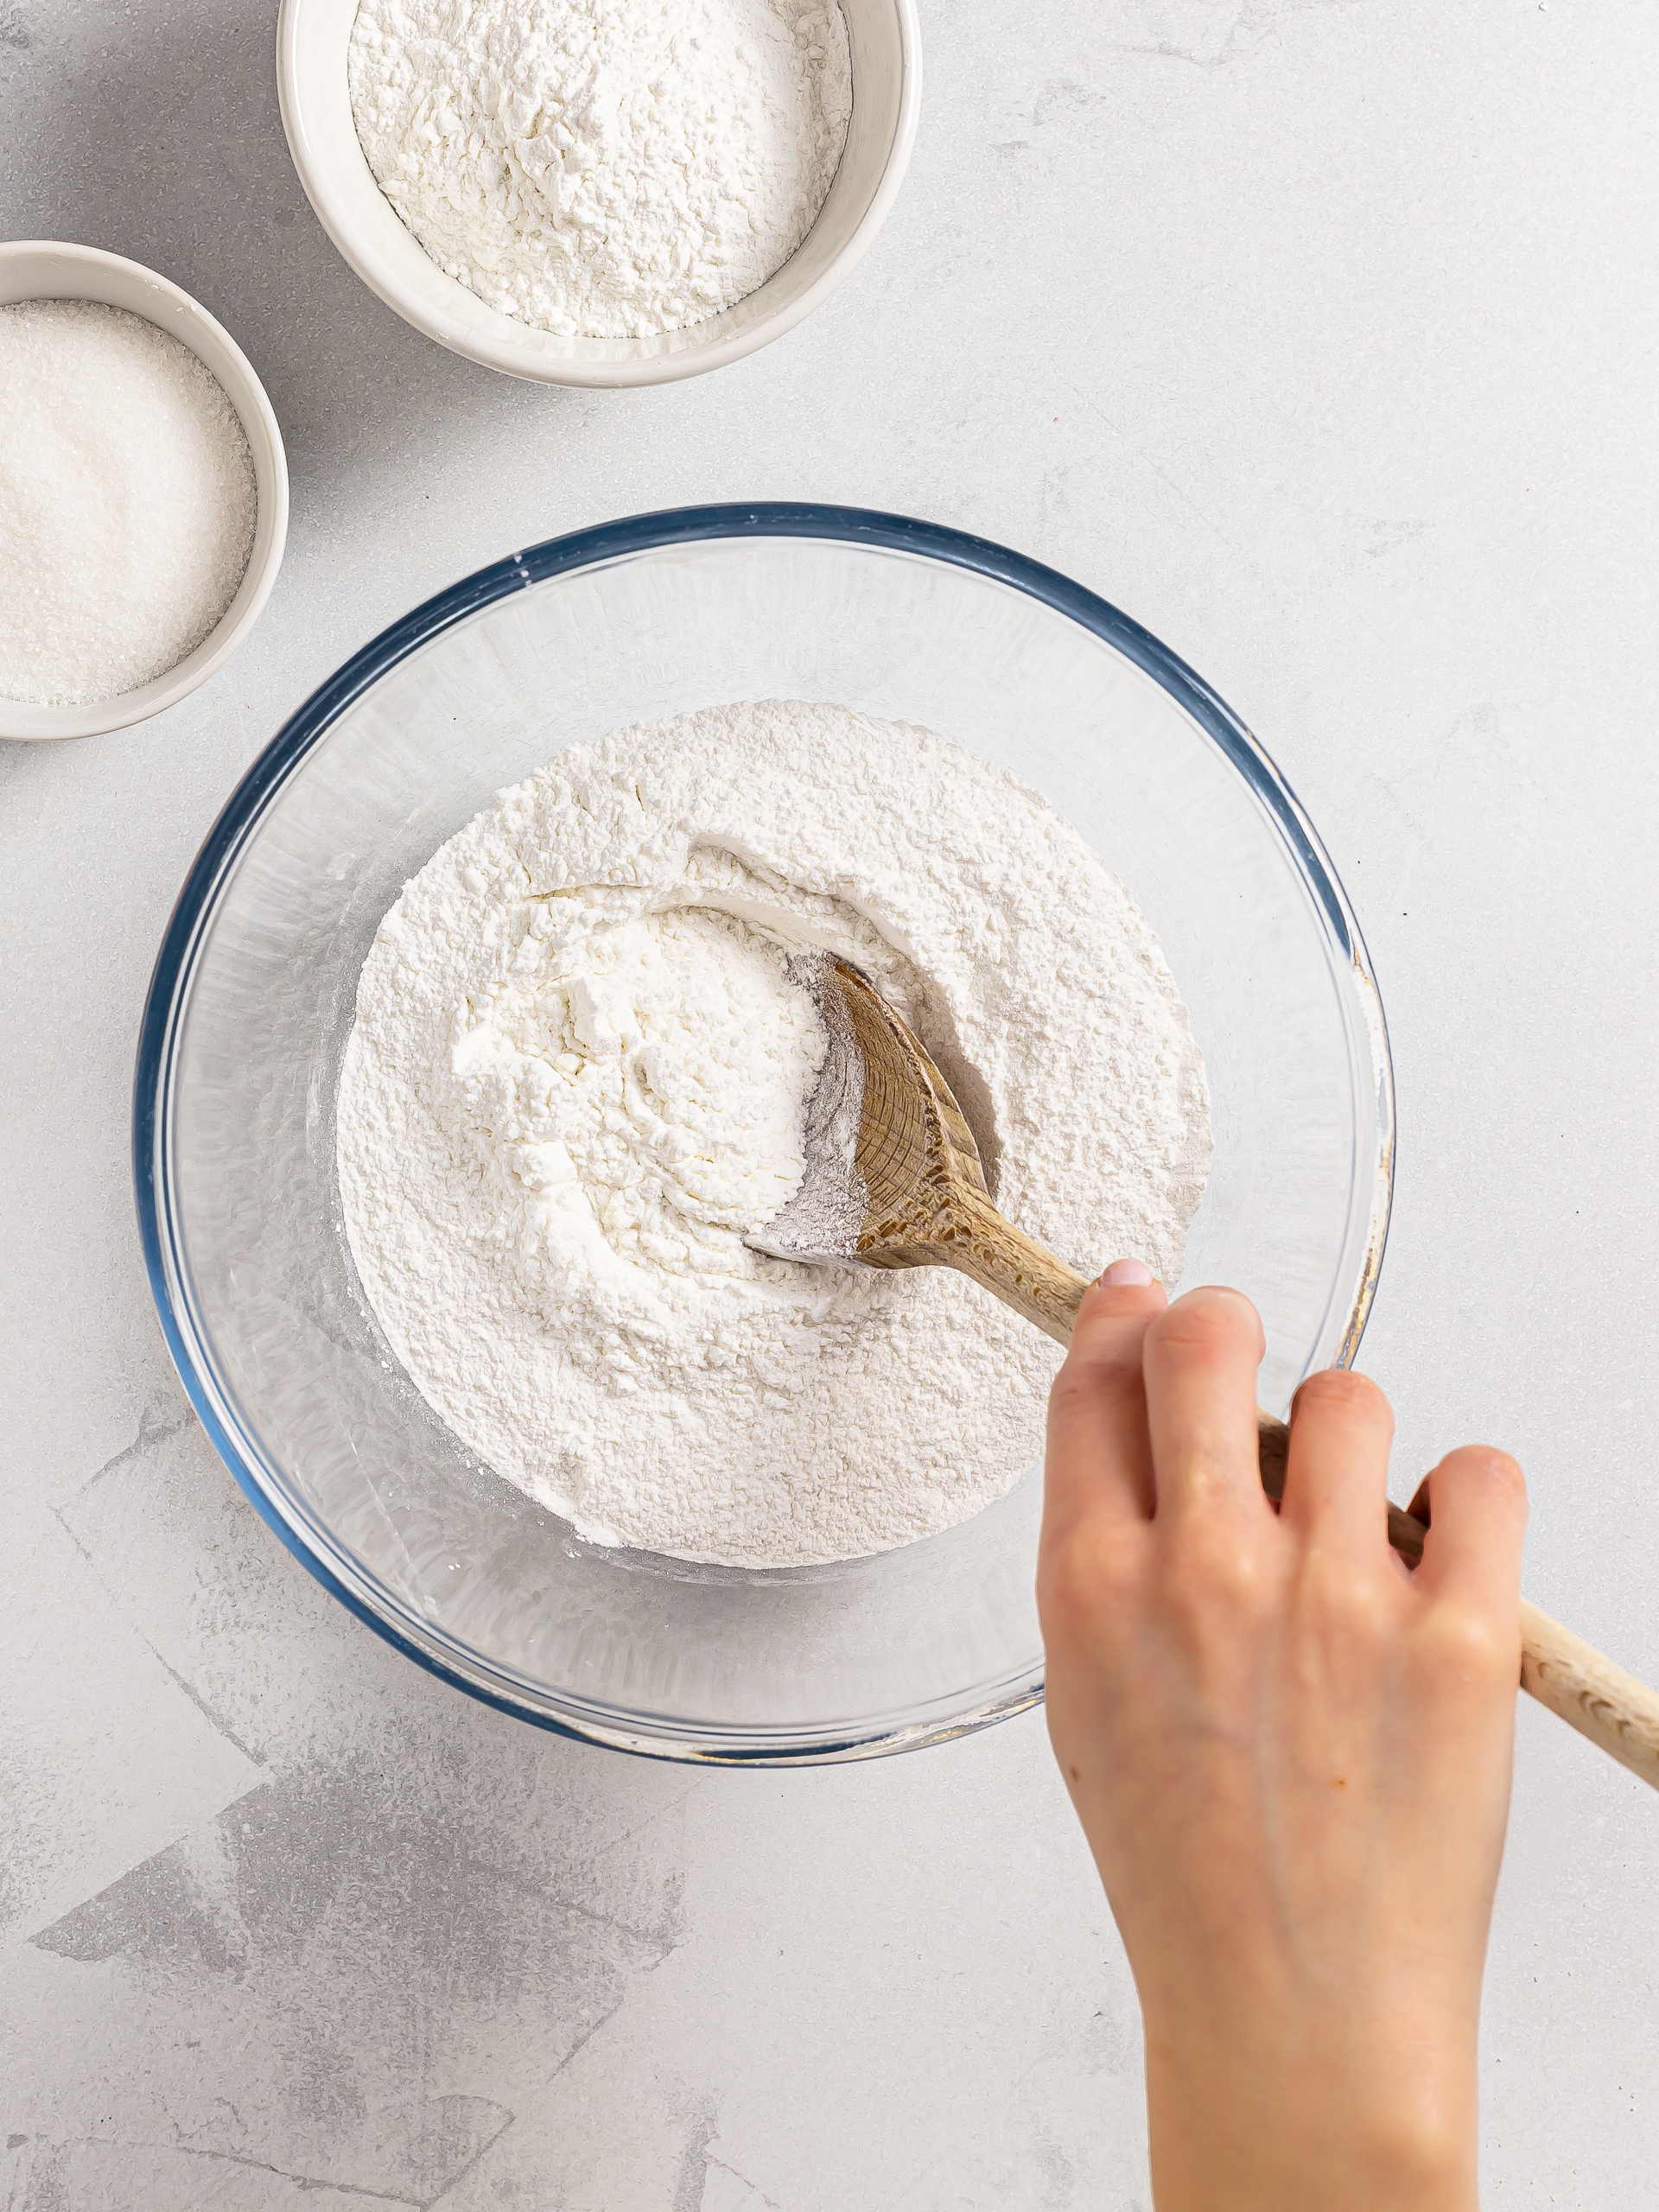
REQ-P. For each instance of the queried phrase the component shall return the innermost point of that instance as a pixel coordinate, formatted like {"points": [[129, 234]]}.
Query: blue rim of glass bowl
{"points": [[658, 1736]]}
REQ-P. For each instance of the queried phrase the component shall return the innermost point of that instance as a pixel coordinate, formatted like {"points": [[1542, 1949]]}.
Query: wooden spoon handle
{"points": [[1563, 1672], [1590, 1692], [978, 1242]]}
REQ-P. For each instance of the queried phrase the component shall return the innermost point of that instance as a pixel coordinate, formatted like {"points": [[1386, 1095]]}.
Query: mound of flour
{"points": [[577, 1079], [607, 169]]}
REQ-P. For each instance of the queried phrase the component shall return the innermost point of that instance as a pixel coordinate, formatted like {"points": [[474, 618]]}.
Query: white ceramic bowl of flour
{"points": [[35, 269], [312, 43]]}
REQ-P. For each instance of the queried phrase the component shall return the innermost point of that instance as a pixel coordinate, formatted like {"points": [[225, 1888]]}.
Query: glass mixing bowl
{"points": [[252, 1000]]}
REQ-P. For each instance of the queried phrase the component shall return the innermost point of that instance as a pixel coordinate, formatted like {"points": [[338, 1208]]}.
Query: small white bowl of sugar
{"points": [[143, 492], [601, 192]]}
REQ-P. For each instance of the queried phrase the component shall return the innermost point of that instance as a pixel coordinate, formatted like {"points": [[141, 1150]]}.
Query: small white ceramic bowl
{"points": [[312, 36], [38, 268]]}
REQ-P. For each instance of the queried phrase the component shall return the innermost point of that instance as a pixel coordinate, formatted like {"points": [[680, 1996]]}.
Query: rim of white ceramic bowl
{"points": [[52, 269], [443, 309], [313, 1544]]}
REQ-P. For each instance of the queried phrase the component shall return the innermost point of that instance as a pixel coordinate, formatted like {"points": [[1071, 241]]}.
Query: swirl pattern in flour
{"points": [[577, 1080]]}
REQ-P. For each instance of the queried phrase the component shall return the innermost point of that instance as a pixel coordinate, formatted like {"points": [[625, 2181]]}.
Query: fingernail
{"points": [[1127, 1271]]}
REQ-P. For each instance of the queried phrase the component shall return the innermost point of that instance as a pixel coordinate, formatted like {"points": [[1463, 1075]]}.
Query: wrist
{"points": [[1242, 2132]]}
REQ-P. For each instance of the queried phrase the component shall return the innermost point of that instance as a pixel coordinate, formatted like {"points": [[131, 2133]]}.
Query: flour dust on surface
{"points": [[578, 1077]]}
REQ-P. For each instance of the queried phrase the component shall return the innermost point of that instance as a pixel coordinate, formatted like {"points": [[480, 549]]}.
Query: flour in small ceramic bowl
{"points": [[128, 502], [577, 1080], [604, 168]]}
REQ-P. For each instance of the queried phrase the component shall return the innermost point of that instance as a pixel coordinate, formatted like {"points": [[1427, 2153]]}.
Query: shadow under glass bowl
{"points": [[252, 1000]]}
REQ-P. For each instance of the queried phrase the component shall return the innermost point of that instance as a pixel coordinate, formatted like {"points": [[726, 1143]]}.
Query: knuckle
{"points": [[1216, 1566], [1341, 1390], [1108, 1305], [1349, 1600], [1086, 1578], [1483, 1468], [1072, 1390], [1462, 1644], [1086, 1378], [1204, 1327]]}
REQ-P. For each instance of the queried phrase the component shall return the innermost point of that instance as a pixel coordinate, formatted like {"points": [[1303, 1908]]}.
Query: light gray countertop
{"points": [[1322, 339]]}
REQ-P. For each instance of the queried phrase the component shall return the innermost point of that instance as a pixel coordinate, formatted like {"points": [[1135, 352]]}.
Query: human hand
{"points": [[1290, 1756]]}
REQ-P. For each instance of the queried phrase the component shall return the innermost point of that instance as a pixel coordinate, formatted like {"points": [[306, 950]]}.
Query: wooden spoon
{"points": [[893, 1180]]}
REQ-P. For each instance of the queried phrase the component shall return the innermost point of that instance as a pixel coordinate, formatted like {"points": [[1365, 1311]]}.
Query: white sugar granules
{"points": [[606, 168], [127, 502], [577, 1079]]}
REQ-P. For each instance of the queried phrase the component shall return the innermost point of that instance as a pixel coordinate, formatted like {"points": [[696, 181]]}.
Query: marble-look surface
{"points": [[1320, 335]]}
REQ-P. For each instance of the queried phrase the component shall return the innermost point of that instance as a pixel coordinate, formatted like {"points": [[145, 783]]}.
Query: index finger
{"points": [[1099, 1456]]}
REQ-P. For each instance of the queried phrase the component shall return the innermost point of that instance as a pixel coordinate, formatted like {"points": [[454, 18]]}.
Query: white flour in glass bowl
{"points": [[577, 1080]]}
